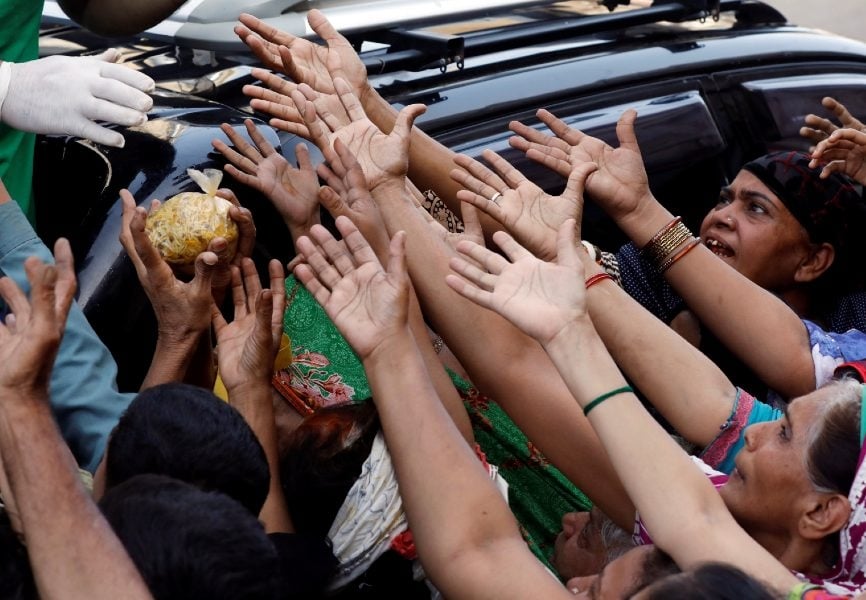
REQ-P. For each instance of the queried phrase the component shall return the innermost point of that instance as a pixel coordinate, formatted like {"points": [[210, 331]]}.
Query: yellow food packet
{"points": [[185, 224]]}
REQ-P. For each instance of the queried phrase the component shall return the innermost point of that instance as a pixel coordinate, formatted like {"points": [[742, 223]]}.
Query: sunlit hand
{"points": [[181, 309], [383, 158], [247, 346], [843, 152], [302, 60], [540, 298], [818, 129], [619, 186], [293, 192], [525, 210], [32, 331], [368, 304]]}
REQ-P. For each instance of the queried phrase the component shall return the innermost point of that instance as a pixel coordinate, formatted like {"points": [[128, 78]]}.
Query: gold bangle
{"points": [[674, 258], [665, 243]]}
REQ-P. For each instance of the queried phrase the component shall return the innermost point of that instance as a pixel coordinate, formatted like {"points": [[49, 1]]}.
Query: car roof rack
{"points": [[209, 24]]}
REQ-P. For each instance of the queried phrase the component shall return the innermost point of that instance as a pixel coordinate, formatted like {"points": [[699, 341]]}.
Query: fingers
{"points": [[566, 248], [471, 221], [278, 299], [338, 254], [577, 180], [510, 247], [491, 261], [466, 289], [570, 137], [350, 101], [317, 265], [625, 130], [302, 154], [553, 159], [472, 273], [477, 178], [405, 120], [355, 242], [332, 202], [243, 218], [66, 280], [204, 269], [132, 78], [323, 28], [353, 176], [512, 177], [137, 244], [397, 258], [842, 113], [318, 133], [97, 133]]}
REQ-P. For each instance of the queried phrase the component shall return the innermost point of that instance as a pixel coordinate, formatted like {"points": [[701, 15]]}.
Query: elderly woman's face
{"points": [[770, 488], [753, 231]]}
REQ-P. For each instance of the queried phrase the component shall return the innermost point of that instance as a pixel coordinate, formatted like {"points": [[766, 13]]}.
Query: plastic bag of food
{"points": [[185, 224]]}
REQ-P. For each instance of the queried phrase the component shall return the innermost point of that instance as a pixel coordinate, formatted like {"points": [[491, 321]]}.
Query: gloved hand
{"points": [[66, 95]]}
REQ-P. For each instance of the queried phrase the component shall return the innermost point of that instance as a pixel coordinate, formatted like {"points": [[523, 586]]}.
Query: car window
{"points": [[788, 100]]}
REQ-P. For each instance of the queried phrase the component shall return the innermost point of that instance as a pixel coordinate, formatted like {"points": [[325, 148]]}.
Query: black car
{"points": [[715, 82]]}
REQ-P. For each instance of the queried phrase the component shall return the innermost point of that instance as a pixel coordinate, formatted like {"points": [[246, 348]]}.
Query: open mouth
{"points": [[718, 248]]}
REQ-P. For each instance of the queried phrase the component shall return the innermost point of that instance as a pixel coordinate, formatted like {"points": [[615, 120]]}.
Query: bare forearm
{"points": [[686, 387], [119, 17], [171, 359], [510, 368], [71, 547], [759, 328]]}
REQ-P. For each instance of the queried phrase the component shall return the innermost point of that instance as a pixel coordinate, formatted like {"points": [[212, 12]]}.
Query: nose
{"points": [[573, 522], [724, 216], [752, 435]]}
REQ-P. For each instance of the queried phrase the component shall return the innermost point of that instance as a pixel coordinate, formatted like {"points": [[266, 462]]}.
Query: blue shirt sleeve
{"points": [[83, 388]]}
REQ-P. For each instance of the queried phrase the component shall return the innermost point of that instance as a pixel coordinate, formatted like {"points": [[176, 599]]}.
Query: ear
{"points": [[828, 515], [816, 262]]}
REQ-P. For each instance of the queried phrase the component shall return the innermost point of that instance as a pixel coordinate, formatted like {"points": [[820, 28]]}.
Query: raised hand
{"points": [[302, 60], [246, 347], [540, 298], [293, 192], [844, 152], [31, 333], [530, 214], [182, 309], [818, 129], [347, 194], [367, 303], [382, 157]]}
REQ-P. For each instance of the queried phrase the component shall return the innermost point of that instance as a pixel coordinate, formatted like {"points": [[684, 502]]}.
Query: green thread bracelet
{"points": [[623, 390]]}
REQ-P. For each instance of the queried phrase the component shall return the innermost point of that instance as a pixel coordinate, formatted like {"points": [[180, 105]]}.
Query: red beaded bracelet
{"points": [[591, 281]]}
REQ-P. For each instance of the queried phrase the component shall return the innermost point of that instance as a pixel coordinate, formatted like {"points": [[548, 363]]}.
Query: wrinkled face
{"points": [[769, 490], [753, 231], [617, 580], [579, 550]]}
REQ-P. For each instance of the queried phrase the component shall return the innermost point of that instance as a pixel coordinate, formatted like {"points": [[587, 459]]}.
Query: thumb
{"points": [[111, 55], [205, 264], [405, 121], [625, 130], [332, 202], [566, 251]]}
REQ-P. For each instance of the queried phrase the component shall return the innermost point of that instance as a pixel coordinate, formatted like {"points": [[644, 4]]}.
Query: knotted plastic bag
{"points": [[185, 224]]}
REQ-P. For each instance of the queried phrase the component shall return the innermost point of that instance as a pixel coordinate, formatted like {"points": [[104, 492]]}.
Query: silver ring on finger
{"points": [[496, 197]]}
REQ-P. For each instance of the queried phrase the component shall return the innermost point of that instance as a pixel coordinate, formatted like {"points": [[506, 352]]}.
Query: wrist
{"points": [[641, 224], [391, 188], [570, 334], [391, 350]]}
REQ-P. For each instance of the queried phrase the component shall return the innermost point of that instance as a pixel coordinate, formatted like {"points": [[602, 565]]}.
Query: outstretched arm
{"points": [[467, 539], [756, 325], [817, 129], [119, 17], [483, 342], [246, 349], [682, 510], [72, 550]]}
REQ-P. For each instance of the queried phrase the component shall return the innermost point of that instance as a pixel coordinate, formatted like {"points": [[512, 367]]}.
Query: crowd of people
{"points": [[503, 411]]}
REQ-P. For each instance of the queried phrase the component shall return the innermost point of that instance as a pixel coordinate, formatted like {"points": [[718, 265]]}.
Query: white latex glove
{"points": [[66, 95]]}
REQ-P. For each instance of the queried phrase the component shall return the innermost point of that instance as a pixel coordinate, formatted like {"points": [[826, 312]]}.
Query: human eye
{"points": [[724, 198], [757, 207]]}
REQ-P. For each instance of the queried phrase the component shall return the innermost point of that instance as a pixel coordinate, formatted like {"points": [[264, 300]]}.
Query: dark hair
{"points": [[712, 581], [321, 461], [187, 433], [656, 565], [834, 447], [16, 577], [188, 543]]}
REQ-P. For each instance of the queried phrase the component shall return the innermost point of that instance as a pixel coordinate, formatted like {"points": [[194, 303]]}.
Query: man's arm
{"points": [[72, 550], [118, 17]]}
